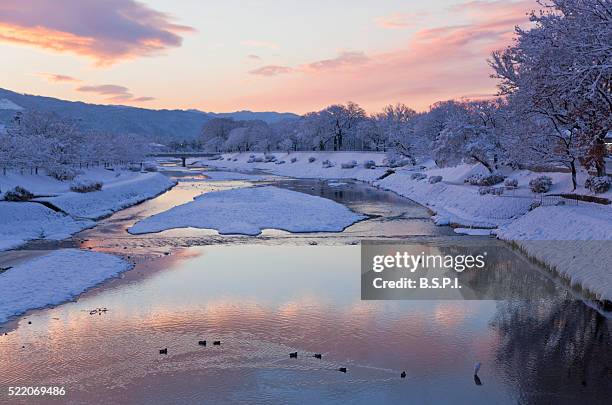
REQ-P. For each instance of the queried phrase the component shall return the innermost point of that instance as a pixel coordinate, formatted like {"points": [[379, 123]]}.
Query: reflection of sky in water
{"points": [[263, 302]]}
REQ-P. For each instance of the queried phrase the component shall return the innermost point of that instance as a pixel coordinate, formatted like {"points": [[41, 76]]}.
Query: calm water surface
{"points": [[266, 296]]}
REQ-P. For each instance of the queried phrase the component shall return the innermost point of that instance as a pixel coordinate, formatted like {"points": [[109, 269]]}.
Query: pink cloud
{"points": [[114, 93], [396, 21], [438, 63], [106, 31], [344, 59], [271, 70], [57, 78], [141, 99], [105, 89]]}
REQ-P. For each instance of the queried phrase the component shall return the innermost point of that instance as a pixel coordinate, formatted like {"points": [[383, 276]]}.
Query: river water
{"points": [[266, 296]]}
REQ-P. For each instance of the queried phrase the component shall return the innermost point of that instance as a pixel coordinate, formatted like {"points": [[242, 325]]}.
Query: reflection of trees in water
{"points": [[506, 274], [555, 351], [350, 192]]}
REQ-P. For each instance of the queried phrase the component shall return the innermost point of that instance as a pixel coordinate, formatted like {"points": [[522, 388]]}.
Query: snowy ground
{"points": [[23, 221], [122, 191], [69, 271], [226, 176], [454, 202], [574, 240], [302, 168], [250, 210]]}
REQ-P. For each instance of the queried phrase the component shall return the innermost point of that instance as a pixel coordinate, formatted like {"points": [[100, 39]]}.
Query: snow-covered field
{"points": [[250, 210], [23, 221], [69, 271], [122, 191], [454, 202]]}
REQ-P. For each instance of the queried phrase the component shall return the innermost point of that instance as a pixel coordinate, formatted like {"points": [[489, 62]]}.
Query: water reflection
{"points": [[267, 296], [264, 302], [556, 351]]}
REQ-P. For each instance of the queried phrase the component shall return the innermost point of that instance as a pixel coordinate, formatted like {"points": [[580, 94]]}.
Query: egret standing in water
{"points": [[476, 370]]}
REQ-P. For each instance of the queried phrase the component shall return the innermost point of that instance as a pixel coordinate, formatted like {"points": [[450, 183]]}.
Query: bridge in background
{"points": [[183, 155]]}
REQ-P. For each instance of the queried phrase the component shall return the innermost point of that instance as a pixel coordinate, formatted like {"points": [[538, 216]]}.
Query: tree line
{"points": [[36, 141]]}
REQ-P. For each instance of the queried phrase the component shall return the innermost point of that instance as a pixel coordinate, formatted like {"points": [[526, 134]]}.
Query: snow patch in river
{"points": [[248, 211]]}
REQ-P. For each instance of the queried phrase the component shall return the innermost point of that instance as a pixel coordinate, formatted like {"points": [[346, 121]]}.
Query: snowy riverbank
{"points": [[461, 205], [23, 221], [69, 272]]}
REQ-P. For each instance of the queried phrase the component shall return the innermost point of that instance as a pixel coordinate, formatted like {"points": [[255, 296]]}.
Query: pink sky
{"points": [[254, 54]]}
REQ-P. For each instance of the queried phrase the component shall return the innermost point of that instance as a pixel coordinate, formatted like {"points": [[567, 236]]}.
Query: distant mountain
{"points": [[267, 116], [159, 125]]}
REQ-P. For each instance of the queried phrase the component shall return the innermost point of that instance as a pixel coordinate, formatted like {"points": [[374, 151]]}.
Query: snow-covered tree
{"points": [[371, 134], [45, 141], [561, 70], [472, 133], [397, 125], [216, 132], [340, 124]]}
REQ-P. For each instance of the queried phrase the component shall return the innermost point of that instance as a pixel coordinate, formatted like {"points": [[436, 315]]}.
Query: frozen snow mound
{"points": [[54, 278], [248, 211]]}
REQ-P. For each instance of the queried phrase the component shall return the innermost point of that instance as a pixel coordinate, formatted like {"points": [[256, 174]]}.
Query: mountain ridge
{"points": [[162, 125]]}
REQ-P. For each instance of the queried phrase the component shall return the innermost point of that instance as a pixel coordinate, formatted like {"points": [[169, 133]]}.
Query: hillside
{"points": [[160, 125]]}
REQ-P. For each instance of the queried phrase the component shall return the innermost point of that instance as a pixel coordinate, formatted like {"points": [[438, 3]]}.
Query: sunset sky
{"points": [[229, 55]]}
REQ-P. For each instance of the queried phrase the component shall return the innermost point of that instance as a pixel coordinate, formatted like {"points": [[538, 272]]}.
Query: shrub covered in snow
{"points": [[86, 186], [398, 162], [311, 159], [511, 183], [349, 165], [62, 173], [293, 159], [369, 164], [598, 184], [418, 176], [491, 190], [474, 179], [328, 163], [491, 179], [540, 184], [484, 180], [18, 194], [435, 179], [150, 167]]}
